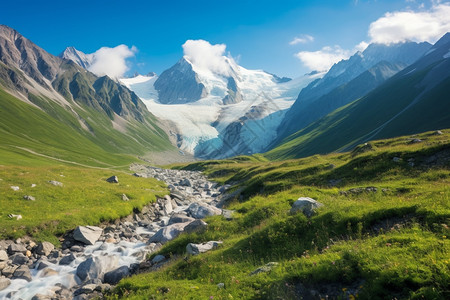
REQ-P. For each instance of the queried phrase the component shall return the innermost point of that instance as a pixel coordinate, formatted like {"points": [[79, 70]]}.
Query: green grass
{"points": [[388, 244]]}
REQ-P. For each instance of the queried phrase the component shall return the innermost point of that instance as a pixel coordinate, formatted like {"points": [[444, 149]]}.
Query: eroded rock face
{"points": [[305, 205], [87, 234]]}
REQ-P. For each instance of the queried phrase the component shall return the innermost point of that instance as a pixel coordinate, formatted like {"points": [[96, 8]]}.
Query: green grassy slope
{"points": [[374, 116], [392, 243]]}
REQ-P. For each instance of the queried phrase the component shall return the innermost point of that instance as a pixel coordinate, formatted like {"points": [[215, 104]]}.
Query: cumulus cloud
{"points": [[111, 61], [206, 57], [323, 59], [303, 39], [401, 26]]}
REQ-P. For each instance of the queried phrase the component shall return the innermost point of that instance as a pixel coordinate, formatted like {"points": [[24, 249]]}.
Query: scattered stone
{"points": [[438, 132], [96, 267], [264, 269], [196, 226], [42, 265], [12, 216], [113, 277], [76, 248], [359, 190], [227, 214], [396, 159], [125, 198], [44, 248], [66, 260], [29, 198], [55, 183], [85, 289], [168, 233], [110, 240], [113, 179], [87, 234], [28, 253], [16, 248], [158, 258], [200, 211], [33, 185], [3, 255], [48, 272], [22, 272], [179, 218], [19, 259], [15, 188], [195, 249], [41, 297], [415, 141], [221, 285], [167, 205], [4, 283], [306, 205], [9, 270]]}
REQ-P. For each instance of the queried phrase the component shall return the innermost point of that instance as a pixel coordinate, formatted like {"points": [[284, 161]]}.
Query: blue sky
{"points": [[256, 33]]}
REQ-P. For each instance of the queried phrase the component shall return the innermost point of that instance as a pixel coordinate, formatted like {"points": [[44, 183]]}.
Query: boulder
{"points": [[9, 270], [167, 205], [19, 259], [96, 267], [113, 179], [4, 283], [305, 205], [158, 258], [196, 226], [195, 249], [114, 276], [44, 248], [22, 272], [167, 233], [180, 218], [3, 255], [125, 198], [66, 260], [16, 248], [87, 234], [200, 211], [85, 289]]}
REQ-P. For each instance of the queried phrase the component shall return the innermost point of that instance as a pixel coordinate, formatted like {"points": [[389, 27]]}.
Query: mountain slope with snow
{"points": [[78, 57], [219, 113]]}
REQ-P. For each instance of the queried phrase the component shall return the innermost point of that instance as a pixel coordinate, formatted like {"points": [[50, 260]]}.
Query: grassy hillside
{"points": [[405, 104], [389, 242]]}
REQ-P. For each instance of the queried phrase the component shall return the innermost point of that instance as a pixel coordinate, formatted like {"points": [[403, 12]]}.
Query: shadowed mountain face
{"points": [[58, 86], [336, 84], [414, 100]]}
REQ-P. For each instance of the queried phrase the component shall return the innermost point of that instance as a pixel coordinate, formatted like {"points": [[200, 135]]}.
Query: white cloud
{"points": [[401, 26], [206, 57], [361, 46], [322, 60], [303, 39], [111, 61]]}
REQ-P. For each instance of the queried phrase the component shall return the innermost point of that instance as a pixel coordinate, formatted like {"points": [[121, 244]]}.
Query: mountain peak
{"points": [[78, 57]]}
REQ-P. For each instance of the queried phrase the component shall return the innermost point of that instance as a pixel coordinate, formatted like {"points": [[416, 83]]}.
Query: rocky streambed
{"points": [[92, 259]]}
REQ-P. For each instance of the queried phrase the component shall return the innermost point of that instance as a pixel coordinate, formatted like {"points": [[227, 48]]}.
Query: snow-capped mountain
{"points": [[394, 58], [78, 57], [219, 113]]}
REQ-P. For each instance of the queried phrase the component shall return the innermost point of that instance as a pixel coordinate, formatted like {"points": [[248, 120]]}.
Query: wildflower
{"points": [[314, 263], [211, 297], [333, 262], [388, 244]]}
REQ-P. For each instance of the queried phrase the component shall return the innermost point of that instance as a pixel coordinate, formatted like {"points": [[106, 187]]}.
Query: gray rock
{"points": [[200, 211], [125, 198], [306, 205], [55, 183], [196, 226], [113, 277], [66, 260], [8, 271], [87, 234], [3, 255], [3, 265], [15, 188], [44, 248], [16, 248], [96, 267], [221, 285], [167, 233], [76, 248], [396, 159], [180, 218], [85, 289], [264, 269], [113, 179], [29, 198], [227, 214], [4, 283], [158, 258], [22, 272], [195, 249], [19, 259], [167, 205]]}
